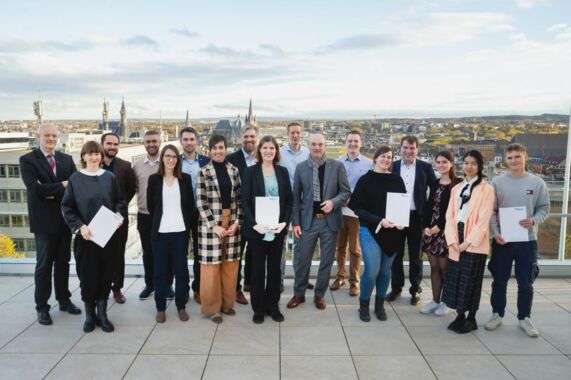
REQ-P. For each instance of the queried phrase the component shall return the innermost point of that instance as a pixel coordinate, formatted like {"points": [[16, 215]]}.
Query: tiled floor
{"points": [[310, 344]]}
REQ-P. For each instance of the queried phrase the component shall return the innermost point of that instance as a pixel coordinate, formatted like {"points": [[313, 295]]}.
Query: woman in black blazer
{"points": [[170, 202], [265, 179]]}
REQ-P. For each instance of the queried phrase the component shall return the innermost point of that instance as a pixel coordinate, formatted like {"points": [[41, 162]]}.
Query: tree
{"points": [[8, 248]]}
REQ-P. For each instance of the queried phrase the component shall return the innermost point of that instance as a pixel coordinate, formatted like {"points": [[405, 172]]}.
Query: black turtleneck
{"points": [[224, 183]]}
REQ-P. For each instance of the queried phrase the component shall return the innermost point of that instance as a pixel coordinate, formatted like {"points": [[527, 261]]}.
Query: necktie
{"points": [[52, 162]]}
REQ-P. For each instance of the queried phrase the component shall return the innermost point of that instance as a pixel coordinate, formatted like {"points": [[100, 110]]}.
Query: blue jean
{"points": [[526, 270], [170, 250], [377, 267]]}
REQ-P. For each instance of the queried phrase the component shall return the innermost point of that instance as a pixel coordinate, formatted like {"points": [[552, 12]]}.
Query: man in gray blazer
{"points": [[320, 188]]}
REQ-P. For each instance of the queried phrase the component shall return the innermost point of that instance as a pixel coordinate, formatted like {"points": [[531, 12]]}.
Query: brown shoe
{"points": [[241, 298], [247, 288], [228, 311], [354, 290], [216, 318], [118, 296], [161, 317], [196, 297], [183, 315], [295, 301], [337, 284], [319, 302]]}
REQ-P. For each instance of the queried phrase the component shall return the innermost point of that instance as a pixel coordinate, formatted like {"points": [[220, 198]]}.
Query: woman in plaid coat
{"points": [[218, 202]]}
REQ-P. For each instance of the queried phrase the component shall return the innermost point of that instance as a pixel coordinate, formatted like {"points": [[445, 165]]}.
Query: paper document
{"points": [[268, 211], [510, 229], [103, 226], [346, 211], [398, 208]]}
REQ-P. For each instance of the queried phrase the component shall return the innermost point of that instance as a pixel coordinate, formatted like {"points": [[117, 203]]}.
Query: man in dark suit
{"points": [[192, 161], [127, 181], [243, 158], [320, 189], [417, 176], [45, 173]]}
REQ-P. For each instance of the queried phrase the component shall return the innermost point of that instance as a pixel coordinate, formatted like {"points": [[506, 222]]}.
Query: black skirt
{"points": [[463, 284]]}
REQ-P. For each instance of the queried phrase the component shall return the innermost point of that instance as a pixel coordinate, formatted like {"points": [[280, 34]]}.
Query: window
{"points": [[3, 196], [26, 221], [20, 244], [25, 196], [18, 221], [4, 220], [13, 171], [15, 196], [30, 244], [2, 171]]}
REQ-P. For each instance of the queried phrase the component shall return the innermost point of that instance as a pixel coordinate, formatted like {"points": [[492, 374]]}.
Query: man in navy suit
{"points": [[417, 176], [45, 173], [192, 161]]}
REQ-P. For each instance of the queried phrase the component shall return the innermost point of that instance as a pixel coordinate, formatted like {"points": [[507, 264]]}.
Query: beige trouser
{"points": [[218, 281], [349, 233]]}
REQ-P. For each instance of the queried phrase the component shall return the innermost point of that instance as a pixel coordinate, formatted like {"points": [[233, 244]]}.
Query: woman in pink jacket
{"points": [[467, 235]]}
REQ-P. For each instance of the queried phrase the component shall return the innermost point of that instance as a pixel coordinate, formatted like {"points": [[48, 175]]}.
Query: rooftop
{"points": [[329, 344]]}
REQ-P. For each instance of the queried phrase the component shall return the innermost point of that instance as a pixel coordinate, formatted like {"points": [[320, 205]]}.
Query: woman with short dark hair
{"points": [[88, 190]]}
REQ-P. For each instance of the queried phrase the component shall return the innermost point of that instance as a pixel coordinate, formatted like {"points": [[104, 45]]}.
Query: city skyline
{"points": [[296, 60]]}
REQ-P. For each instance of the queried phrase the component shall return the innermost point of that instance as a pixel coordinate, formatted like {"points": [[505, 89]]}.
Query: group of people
{"points": [[185, 197]]}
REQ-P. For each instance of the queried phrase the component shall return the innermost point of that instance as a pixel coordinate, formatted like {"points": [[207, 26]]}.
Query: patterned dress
{"points": [[436, 244]]}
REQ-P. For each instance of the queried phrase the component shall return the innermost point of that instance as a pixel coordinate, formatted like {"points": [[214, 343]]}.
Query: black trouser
{"points": [[96, 269], [170, 251], [52, 250], [195, 255], [144, 222], [119, 242], [413, 239], [246, 254], [266, 293]]}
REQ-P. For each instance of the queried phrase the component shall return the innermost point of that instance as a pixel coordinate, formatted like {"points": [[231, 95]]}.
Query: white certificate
{"points": [[268, 211], [103, 226], [510, 228], [346, 211], [398, 208]]}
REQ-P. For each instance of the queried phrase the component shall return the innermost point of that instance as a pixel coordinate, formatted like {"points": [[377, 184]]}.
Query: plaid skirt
{"points": [[463, 283]]}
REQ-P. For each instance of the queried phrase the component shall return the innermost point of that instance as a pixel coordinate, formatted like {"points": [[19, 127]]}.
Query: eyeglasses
{"points": [[170, 157]]}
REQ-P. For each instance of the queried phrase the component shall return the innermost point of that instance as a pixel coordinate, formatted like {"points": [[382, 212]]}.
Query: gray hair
{"points": [[41, 128]]}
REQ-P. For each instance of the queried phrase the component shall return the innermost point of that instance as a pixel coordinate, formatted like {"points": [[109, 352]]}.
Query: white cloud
{"points": [[561, 31], [527, 4]]}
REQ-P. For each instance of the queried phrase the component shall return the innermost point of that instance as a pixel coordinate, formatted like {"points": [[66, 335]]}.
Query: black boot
{"points": [[469, 324], [89, 324], [457, 323], [106, 324], [364, 311], [380, 309]]}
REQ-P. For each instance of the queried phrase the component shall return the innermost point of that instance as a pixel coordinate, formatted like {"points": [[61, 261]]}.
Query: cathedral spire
{"points": [[187, 121]]}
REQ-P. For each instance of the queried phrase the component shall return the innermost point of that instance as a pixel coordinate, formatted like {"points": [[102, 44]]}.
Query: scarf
{"points": [[315, 168]]}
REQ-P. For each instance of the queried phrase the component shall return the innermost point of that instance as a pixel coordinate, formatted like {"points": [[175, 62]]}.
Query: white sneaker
{"points": [[429, 308], [494, 322], [527, 326], [442, 310]]}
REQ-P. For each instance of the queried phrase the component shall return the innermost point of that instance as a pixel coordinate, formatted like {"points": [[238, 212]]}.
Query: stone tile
{"points": [[307, 315], [393, 367], [17, 366], [92, 366], [174, 339], [467, 367], [8, 291], [533, 368], [124, 340], [313, 341], [246, 340], [349, 316], [136, 313], [441, 341], [317, 367], [242, 367], [551, 314], [40, 339], [170, 367], [559, 336], [380, 341], [18, 313], [9, 331], [410, 316], [511, 340]]}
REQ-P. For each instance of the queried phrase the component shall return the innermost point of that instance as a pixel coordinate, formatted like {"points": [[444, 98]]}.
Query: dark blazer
{"points": [[424, 177], [126, 178], [155, 201], [253, 186], [238, 160], [203, 160], [45, 190]]}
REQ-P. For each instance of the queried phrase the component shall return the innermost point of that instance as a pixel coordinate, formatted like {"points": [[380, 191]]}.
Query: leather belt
{"points": [[319, 216]]}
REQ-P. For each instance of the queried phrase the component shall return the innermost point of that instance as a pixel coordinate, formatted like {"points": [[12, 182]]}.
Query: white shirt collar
{"points": [[150, 162], [92, 174]]}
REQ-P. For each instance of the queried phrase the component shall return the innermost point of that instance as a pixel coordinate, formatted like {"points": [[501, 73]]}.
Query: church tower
{"points": [[123, 124]]}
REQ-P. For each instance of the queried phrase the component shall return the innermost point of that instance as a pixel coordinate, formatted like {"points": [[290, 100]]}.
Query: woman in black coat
{"points": [[266, 179], [170, 202]]}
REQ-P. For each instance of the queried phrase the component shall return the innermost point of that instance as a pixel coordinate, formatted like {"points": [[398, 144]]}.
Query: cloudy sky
{"points": [[295, 58]]}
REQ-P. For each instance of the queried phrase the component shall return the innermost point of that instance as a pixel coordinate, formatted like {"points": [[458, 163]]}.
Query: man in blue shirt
{"points": [[192, 161], [356, 165]]}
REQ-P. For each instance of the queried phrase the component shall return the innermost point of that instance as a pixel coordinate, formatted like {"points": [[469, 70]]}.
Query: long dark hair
{"points": [[480, 161], [177, 171], [452, 173]]}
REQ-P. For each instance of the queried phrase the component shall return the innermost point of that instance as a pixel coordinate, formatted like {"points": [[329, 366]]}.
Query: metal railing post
{"points": [[565, 199]]}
